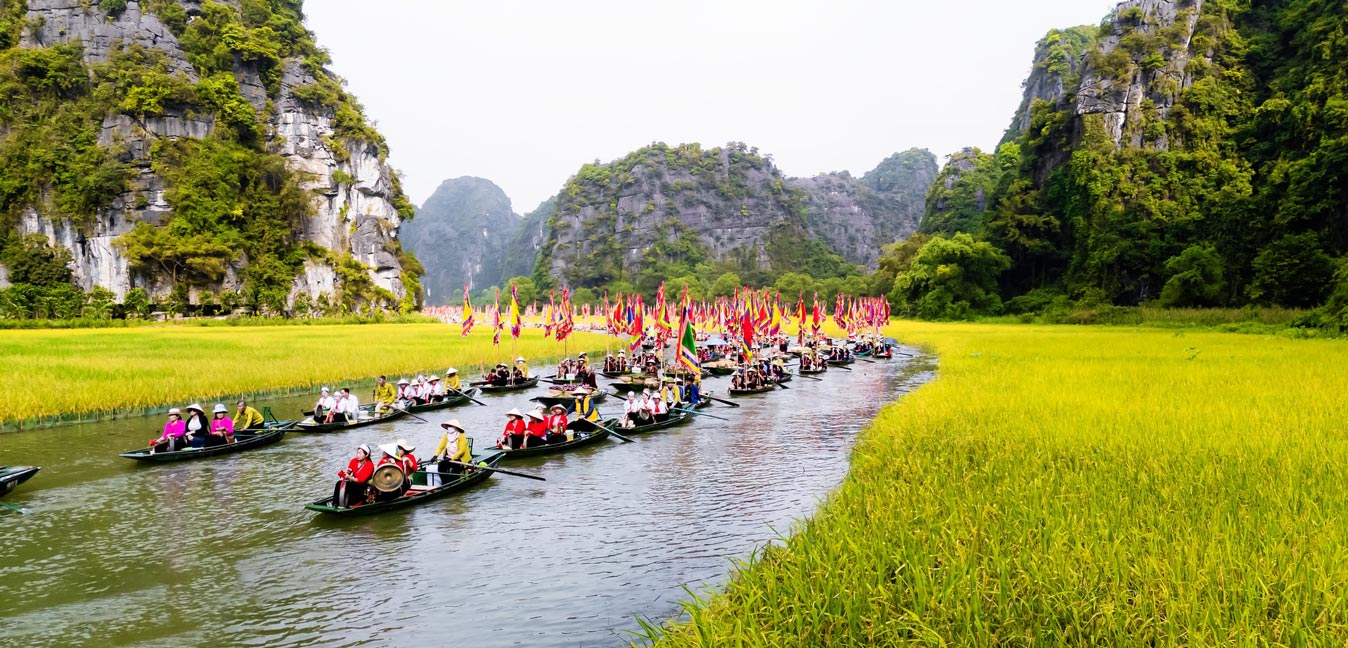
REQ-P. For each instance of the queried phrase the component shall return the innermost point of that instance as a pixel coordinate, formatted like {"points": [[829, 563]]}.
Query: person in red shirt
{"points": [[515, 429], [354, 480], [405, 457], [556, 424], [537, 428]]}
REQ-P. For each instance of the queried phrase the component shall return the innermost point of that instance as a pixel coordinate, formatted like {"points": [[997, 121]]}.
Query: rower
{"points": [[222, 427], [537, 428], [556, 424], [669, 392], [174, 431], [384, 395], [563, 368], [453, 447], [523, 368], [247, 418], [692, 392], [515, 430], [324, 407], [452, 380], [586, 376], [585, 409], [355, 478]]}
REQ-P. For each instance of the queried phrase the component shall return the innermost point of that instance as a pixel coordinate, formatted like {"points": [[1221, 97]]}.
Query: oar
{"points": [[841, 367], [488, 469], [801, 375], [611, 432], [688, 411], [780, 385], [720, 400], [17, 509], [399, 409], [465, 395]]}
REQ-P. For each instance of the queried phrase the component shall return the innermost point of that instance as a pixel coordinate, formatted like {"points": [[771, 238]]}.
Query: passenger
{"points": [[585, 409], [354, 481], [174, 431], [403, 386], [435, 390], [385, 395], [622, 361], [222, 427], [586, 377], [657, 406], [338, 413], [389, 452], [537, 429], [515, 430], [632, 411], [407, 461], [324, 407], [247, 418], [453, 447], [198, 427], [556, 423], [669, 392], [692, 392]]}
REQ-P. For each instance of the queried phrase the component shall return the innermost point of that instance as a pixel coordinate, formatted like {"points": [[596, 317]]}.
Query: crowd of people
{"points": [[197, 431]]}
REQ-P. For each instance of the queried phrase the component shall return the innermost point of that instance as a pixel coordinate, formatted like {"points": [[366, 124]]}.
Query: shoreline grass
{"points": [[71, 371], [1072, 485]]}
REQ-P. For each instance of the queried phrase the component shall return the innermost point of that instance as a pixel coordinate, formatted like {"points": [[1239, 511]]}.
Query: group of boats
{"points": [[438, 479]]}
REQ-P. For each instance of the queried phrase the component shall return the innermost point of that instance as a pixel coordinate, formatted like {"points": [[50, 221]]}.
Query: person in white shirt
{"points": [[437, 389], [403, 386], [338, 414], [351, 405], [632, 410], [324, 407]]}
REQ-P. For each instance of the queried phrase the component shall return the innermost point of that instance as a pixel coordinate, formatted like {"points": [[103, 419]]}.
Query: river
{"points": [[222, 553]]}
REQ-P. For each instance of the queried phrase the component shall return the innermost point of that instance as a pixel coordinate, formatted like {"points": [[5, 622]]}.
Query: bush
{"points": [[952, 278], [1292, 271], [1196, 278]]}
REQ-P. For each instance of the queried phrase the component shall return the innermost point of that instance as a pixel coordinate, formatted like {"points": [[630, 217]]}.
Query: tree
{"points": [[725, 285], [33, 260], [1292, 271], [794, 284], [137, 303], [952, 278], [1196, 278], [524, 287]]}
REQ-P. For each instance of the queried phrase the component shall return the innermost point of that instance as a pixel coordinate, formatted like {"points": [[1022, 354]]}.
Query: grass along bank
{"points": [[50, 372], [1073, 485]]}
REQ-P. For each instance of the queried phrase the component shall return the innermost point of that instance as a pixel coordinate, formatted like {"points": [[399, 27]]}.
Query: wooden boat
{"points": [[752, 392], [614, 375], [565, 399], [675, 418], [451, 400], [243, 440], [810, 372], [310, 425], [420, 493], [529, 383], [838, 363], [585, 434], [12, 476], [883, 354], [718, 371]]}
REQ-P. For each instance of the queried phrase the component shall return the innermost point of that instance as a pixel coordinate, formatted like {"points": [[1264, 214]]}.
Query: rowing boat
{"points": [[510, 387], [584, 433], [837, 363], [675, 418], [420, 492], [243, 440], [807, 372], [311, 425], [752, 392], [635, 385], [12, 476], [451, 400], [565, 399], [718, 371]]}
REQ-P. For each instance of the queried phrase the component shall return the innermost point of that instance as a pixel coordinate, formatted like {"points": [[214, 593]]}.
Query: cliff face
{"points": [[532, 231], [242, 80], [681, 206], [462, 235]]}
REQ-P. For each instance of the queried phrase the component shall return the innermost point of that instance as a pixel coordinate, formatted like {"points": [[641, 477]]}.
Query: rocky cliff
{"points": [[221, 155], [685, 209], [462, 235]]}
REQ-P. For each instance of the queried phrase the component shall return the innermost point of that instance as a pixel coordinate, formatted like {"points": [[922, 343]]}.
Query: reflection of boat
{"points": [[419, 492], [585, 433], [243, 440], [311, 425], [509, 387], [12, 476]]}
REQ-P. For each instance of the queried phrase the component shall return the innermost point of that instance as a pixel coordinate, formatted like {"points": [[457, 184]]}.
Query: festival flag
{"points": [[747, 337], [564, 322], [688, 346], [638, 327], [496, 320], [663, 327], [817, 321], [467, 313], [775, 327], [515, 323], [548, 315]]}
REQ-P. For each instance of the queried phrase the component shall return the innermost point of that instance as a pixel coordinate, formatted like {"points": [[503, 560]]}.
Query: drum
{"points": [[388, 478]]}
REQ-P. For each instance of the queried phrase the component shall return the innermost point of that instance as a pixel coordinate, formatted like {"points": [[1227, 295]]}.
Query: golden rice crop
{"points": [[1069, 486], [50, 372]]}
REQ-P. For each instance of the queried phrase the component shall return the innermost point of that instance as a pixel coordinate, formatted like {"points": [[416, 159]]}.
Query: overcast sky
{"points": [[523, 93]]}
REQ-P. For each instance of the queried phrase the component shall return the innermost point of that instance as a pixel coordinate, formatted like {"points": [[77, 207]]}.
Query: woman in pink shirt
{"points": [[174, 429], [222, 427]]}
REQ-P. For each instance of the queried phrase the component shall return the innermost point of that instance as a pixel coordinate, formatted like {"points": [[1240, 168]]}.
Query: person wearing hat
{"points": [[585, 409], [222, 427], [657, 406], [174, 431], [346, 408], [515, 430], [536, 428], [610, 362], [402, 389], [323, 408], [248, 418], [198, 427], [385, 395], [354, 481], [692, 391], [452, 382], [453, 447], [564, 369], [669, 392], [585, 376], [518, 374], [435, 391], [406, 460], [622, 361], [555, 423], [633, 411], [522, 367], [389, 457]]}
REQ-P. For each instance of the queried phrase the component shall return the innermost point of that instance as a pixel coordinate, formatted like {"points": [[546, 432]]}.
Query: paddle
{"points": [[488, 469], [465, 395], [781, 385], [399, 409], [841, 367], [801, 375], [688, 411], [17, 509], [611, 432], [720, 400]]}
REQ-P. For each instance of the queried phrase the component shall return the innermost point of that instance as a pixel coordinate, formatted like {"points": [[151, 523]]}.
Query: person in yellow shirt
{"points": [[669, 390], [452, 380], [453, 447], [384, 394], [585, 409], [247, 418], [522, 367]]}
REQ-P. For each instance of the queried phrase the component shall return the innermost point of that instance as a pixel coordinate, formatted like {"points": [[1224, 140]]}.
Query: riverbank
{"points": [[1065, 485], [90, 373]]}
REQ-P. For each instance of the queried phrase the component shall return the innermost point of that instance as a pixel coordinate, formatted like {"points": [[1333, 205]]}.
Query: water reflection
{"points": [[223, 553]]}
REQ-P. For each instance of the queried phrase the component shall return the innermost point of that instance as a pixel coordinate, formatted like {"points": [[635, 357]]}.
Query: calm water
{"points": [[222, 552]]}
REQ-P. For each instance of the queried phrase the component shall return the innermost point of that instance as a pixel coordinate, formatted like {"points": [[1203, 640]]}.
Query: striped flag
{"points": [[688, 346], [467, 313]]}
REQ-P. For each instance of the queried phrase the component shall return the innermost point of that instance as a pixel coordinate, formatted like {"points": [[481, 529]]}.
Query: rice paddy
{"points": [[1068, 486], [71, 371]]}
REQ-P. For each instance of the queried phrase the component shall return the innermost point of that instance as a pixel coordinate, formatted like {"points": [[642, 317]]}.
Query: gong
{"points": [[388, 478]]}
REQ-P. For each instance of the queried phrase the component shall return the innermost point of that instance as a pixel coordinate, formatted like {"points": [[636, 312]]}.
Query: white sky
{"points": [[523, 93]]}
